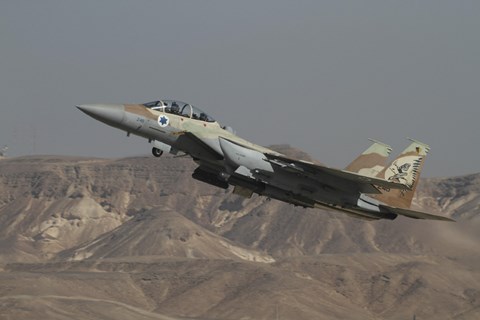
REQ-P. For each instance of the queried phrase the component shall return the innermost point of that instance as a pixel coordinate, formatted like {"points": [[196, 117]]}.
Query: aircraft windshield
{"points": [[179, 108]]}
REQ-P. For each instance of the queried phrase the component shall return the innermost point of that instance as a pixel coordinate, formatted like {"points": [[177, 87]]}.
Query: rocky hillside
{"points": [[140, 235]]}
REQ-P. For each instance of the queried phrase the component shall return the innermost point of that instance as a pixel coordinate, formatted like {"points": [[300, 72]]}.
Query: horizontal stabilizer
{"points": [[415, 214]]}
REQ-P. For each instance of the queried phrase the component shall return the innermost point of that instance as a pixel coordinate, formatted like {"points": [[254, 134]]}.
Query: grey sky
{"points": [[322, 76]]}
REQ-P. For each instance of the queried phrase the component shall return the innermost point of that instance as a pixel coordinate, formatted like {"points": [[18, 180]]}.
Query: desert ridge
{"points": [[140, 236]]}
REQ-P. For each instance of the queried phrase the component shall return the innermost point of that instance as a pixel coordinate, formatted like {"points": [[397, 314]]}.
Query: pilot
{"points": [[175, 108], [203, 116]]}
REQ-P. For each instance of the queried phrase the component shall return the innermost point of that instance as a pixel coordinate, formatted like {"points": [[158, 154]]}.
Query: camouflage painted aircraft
{"points": [[365, 189]]}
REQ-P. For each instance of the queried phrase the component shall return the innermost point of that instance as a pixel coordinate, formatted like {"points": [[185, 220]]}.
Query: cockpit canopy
{"points": [[179, 108]]}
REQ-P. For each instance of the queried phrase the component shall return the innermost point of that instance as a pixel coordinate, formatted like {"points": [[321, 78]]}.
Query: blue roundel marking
{"points": [[163, 120]]}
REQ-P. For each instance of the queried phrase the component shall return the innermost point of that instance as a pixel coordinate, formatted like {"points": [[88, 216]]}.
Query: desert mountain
{"points": [[162, 232], [141, 237]]}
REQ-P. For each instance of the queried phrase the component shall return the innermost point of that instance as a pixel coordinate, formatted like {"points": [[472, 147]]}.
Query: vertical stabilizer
{"points": [[372, 161], [405, 169]]}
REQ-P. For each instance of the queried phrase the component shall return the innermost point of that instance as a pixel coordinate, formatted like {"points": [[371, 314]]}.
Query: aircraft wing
{"points": [[415, 214], [363, 183]]}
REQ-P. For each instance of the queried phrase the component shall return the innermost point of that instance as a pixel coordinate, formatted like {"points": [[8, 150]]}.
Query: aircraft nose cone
{"points": [[107, 113]]}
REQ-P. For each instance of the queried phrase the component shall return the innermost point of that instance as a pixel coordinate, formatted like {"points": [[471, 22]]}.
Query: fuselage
{"points": [[226, 159]]}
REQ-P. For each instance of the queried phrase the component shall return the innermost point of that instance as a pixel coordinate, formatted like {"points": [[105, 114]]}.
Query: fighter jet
{"points": [[366, 189]]}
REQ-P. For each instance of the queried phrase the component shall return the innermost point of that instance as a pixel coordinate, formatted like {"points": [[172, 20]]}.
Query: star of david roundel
{"points": [[163, 121]]}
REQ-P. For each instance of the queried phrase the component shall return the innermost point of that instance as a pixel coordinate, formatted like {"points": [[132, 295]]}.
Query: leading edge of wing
{"points": [[415, 214], [309, 167]]}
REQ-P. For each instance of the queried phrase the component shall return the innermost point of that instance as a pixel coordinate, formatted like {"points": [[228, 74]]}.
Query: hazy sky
{"points": [[322, 76]]}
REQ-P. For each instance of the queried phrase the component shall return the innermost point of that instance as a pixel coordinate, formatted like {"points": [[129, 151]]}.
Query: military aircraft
{"points": [[364, 189]]}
